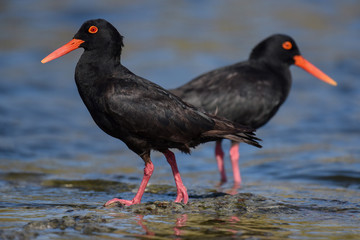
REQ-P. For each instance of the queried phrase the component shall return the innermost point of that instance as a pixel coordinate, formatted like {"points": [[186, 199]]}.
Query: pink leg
{"points": [[220, 161], [181, 189], [148, 170], [234, 156]]}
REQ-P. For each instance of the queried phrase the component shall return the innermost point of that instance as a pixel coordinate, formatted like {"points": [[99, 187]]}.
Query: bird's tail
{"points": [[226, 129]]}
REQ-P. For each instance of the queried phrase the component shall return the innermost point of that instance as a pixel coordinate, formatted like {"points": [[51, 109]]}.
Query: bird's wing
{"points": [[149, 111], [237, 92]]}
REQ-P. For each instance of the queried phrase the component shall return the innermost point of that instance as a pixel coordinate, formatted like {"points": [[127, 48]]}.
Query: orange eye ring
{"points": [[93, 29], [287, 45]]}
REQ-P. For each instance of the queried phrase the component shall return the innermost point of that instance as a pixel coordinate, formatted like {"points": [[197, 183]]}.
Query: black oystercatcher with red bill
{"points": [[140, 113], [248, 92]]}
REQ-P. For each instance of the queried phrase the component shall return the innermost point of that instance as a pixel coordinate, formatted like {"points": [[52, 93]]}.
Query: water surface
{"points": [[56, 166]]}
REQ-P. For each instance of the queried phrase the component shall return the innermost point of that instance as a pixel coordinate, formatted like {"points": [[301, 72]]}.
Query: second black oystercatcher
{"points": [[248, 92], [142, 114]]}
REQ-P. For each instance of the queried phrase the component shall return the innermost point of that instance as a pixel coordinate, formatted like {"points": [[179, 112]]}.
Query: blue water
{"points": [[310, 156]]}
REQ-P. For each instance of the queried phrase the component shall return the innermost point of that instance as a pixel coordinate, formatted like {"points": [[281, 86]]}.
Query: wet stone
{"points": [[213, 204], [86, 224], [158, 208], [14, 235]]}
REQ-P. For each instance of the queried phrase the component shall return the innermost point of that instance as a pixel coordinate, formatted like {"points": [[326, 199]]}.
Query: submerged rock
{"points": [[213, 204], [15, 235], [87, 224]]}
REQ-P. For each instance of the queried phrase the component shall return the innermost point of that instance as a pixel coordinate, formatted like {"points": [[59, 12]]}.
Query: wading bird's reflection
{"points": [[180, 222]]}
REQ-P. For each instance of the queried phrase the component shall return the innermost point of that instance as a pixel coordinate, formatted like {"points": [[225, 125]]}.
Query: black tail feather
{"points": [[232, 131]]}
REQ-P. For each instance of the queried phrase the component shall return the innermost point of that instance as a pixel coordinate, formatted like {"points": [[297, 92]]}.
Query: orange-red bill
{"points": [[70, 46], [300, 61]]}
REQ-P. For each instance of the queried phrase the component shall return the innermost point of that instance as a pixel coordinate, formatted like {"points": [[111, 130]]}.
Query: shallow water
{"points": [[57, 168]]}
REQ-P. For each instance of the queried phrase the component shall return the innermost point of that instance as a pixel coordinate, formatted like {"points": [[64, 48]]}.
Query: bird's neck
{"points": [[277, 67], [92, 70], [94, 66], [282, 79]]}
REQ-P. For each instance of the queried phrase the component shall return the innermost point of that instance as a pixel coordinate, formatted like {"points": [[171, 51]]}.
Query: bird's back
{"points": [[248, 92]]}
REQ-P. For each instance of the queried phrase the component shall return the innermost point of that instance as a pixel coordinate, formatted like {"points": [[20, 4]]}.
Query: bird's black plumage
{"points": [[142, 114], [249, 92]]}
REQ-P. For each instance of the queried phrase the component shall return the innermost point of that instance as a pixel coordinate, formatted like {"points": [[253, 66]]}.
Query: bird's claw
{"points": [[182, 195], [121, 201]]}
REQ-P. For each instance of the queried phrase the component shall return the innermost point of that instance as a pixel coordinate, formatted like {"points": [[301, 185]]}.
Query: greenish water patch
{"points": [[93, 184]]}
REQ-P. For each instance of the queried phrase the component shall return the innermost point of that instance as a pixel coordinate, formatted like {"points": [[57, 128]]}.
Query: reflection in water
{"points": [[180, 222], [142, 224]]}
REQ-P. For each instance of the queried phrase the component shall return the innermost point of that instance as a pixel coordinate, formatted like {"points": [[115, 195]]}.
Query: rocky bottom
{"points": [[219, 204]]}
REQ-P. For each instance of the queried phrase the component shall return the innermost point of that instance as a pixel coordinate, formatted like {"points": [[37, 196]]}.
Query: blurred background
{"points": [[311, 146]]}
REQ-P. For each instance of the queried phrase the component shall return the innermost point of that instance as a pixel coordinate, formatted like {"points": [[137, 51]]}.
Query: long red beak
{"points": [[300, 61], [70, 46]]}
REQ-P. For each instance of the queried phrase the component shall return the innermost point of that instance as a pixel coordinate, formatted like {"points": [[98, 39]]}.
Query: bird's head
{"points": [[93, 35], [282, 49]]}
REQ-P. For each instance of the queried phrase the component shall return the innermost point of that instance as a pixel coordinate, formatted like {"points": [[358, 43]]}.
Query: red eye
{"points": [[287, 45], [93, 29]]}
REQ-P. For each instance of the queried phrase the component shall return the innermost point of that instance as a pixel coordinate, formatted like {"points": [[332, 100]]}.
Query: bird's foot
{"points": [[235, 189], [182, 194], [237, 185], [121, 201], [222, 182]]}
